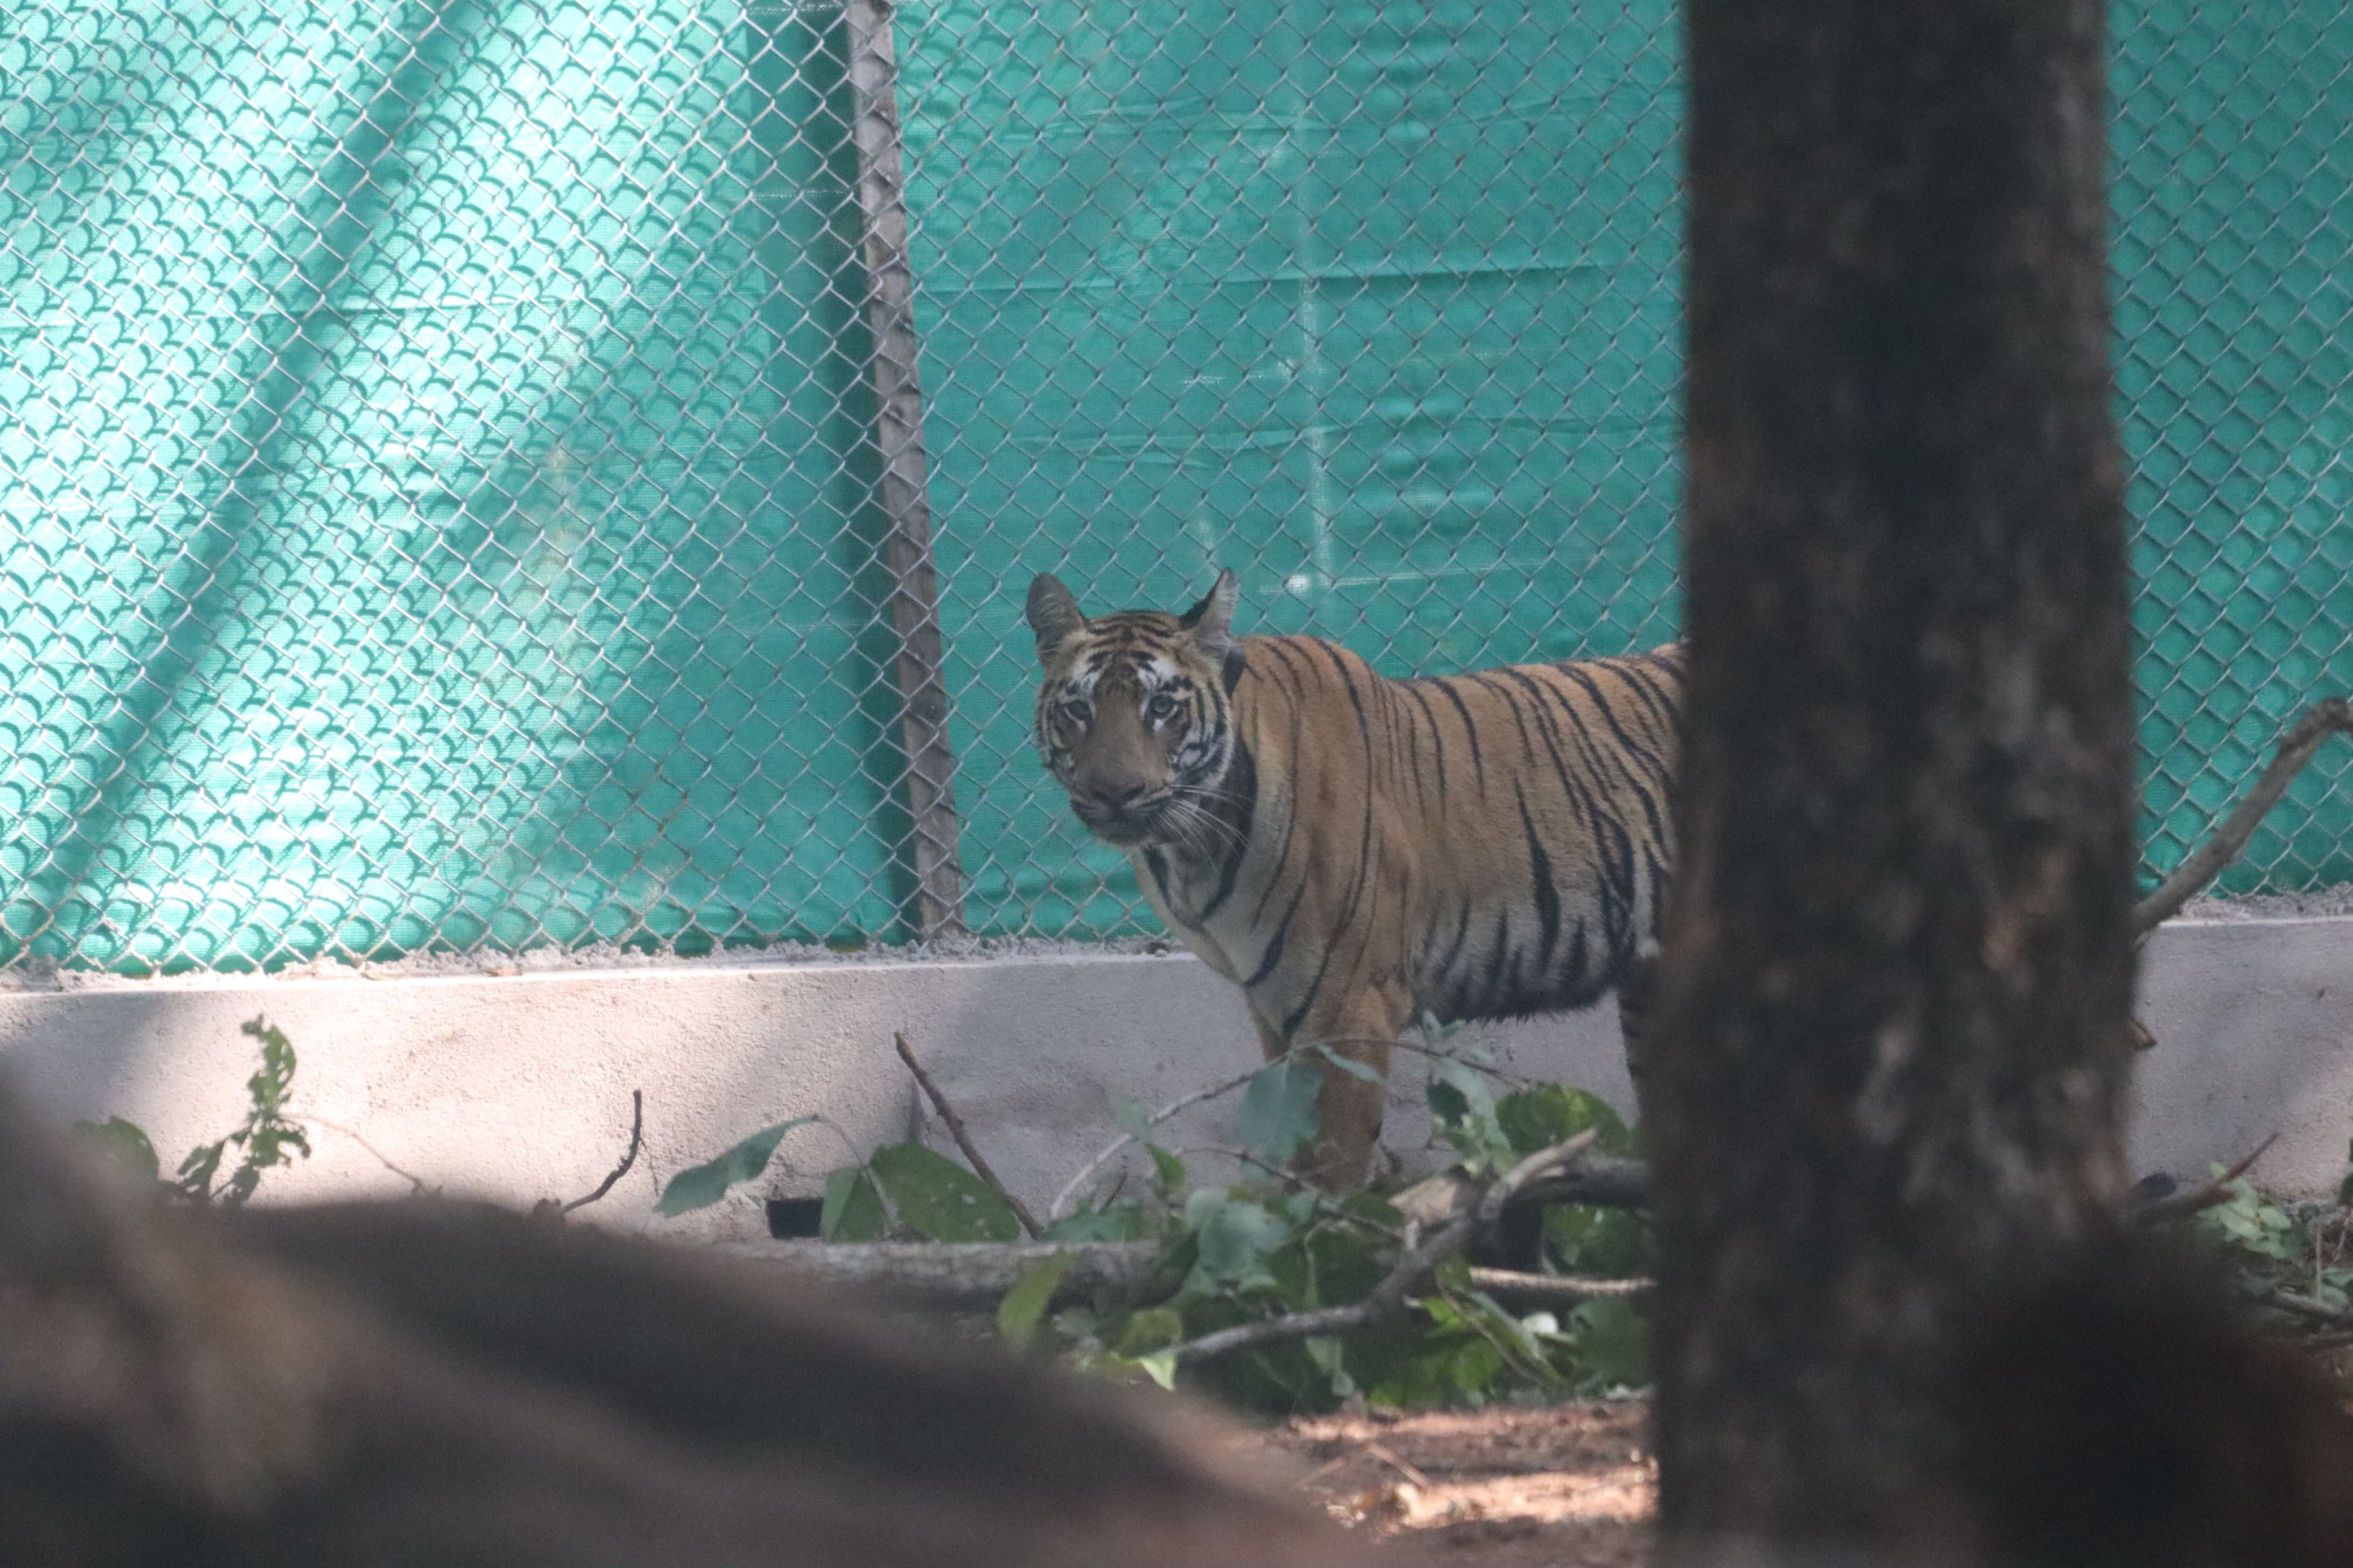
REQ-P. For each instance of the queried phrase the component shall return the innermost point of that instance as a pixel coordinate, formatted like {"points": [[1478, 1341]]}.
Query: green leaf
{"points": [[1545, 1114], [1613, 1343], [267, 1141], [1325, 1352], [1168, 1173], [1580, 1239], [853, 1207], [1235, 1239], [122, 1145], [939, 1199], [1024, 1307], [1346, 1261], [1357, 1069], [1279, 1110], [268, 1088], [1152, 1329], [1473, 1369], [1132, 1118], [1161, 1367], [198, 1169], [1459, 1093], [699, 1187]]}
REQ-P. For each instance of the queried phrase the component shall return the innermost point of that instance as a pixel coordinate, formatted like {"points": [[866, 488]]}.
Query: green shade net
{"points": [[438, 500]]}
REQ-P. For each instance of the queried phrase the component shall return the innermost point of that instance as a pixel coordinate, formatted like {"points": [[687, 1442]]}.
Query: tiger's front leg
{"points": [[1349, 1108], [1637, 992]]}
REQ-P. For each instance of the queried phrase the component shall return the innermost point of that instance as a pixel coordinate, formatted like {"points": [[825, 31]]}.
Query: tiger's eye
{"points": [[1162, 708]]}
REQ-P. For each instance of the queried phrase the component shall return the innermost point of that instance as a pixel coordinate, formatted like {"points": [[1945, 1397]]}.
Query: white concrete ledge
{"points": [[2253, 1022], [517, 1087]]}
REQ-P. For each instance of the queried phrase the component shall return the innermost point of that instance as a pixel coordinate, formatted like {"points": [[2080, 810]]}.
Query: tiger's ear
{"points": [[1211, 621], [1053, 613]]}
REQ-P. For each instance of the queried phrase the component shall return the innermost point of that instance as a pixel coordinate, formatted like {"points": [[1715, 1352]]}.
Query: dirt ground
{"points": [[1509, 1488]]}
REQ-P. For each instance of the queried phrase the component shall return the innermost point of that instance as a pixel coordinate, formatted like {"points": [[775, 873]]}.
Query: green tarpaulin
{"points": [[436, 485]]}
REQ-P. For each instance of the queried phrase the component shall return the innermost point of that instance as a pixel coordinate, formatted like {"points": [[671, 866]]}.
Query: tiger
{"points": [[1360, 854]]}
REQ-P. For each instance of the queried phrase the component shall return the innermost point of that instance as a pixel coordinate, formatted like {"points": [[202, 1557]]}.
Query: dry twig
{"points": [[1603, 1181], [629, 1158], [1086, 1171], [2181, 1205], [2298, 747], [411, 1177], [2309, 1308], [1380, 1451], [964, 1139]]}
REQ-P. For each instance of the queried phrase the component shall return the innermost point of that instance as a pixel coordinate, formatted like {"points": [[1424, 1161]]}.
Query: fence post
{"points": [[899, 433]]}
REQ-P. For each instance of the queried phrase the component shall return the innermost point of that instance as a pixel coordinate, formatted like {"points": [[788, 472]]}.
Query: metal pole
{"points": [[899, 433]]}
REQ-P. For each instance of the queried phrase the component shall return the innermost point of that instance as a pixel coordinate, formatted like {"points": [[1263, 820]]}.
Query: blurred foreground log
{"points": [[424, 1382]]}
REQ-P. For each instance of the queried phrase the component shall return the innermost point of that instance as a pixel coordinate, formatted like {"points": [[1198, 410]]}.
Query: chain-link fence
{"points": [[462, 487]]}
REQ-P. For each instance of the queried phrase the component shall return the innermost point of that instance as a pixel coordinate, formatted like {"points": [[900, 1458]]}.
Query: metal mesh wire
{"points": [[447, 484]]}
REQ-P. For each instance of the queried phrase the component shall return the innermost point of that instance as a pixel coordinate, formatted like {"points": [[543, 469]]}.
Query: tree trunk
{"points": [[1898, 970]]}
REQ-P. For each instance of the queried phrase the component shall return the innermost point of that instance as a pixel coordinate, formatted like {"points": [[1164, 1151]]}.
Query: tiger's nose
{"points": [[1119, 795]]}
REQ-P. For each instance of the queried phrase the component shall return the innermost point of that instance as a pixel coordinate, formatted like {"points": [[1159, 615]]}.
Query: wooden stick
{"points": [[2297, 749], [964, 1139], [1604, 1181], [1570, 1287], [954, 1274], [2181, 1205], [637, 1138], [1381, 1452], [2306, 1307]]}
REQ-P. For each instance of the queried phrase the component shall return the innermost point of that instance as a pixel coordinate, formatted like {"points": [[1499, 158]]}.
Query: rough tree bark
{"points": [[1898, 973]]}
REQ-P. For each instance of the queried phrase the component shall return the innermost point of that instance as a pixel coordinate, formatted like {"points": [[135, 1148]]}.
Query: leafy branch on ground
{"points": [[2291, 1258], [1270, 1293]]}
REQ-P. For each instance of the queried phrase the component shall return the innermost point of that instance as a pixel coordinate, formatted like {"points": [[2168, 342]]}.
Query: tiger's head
{"points": [[1134, 715]]}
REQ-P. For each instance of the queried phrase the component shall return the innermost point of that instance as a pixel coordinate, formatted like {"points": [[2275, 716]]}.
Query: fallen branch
{"points": [[951, 1274], [1571, 1288], [1390, 1296], [964, 1139], [2298, 747], [2182, 1205], [2309, 1308], [1381, 1452], [1603, 1181], [629, 1158]]}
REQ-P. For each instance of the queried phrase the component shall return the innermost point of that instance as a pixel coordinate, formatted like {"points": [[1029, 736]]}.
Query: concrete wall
{"points": [[517, 1087]]}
